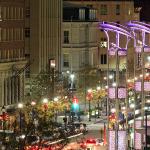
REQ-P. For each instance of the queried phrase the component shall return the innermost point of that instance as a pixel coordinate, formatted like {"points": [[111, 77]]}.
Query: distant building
{"points": [[80, 48], [12, 51], [43, 34], [117, 11]]}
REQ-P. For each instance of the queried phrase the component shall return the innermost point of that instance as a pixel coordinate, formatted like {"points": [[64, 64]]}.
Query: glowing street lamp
{"points": [[33, 103], [45, 101], [110, 76]]}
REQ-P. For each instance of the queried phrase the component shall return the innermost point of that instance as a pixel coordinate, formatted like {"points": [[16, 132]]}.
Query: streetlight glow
{"points": [[98, 88], [132, 106], [56, 99], [45, 100], [148, 58], [114, 84], [72, 76], [89, 90], [113, 110], [20, 105], [105, 78], [33, 103], [110, 76]]}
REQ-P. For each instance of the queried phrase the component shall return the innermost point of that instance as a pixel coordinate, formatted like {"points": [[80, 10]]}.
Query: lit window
{"points": [[92, 14], [103, 43], [66, 37], [103, 9], [66, 60], [81, 14], [117, 9]]}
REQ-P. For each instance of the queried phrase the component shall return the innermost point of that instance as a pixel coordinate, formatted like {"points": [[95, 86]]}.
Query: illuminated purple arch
{"points": [[140, 27], [119, 30]]}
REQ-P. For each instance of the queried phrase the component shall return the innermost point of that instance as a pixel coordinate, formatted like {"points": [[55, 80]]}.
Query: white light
{"points": [[132, 106], [106, 87], [147, 74], [33, 103], [110, 76], [45, 100], [20, 105], [128, 80], [68, 71], [148, 58], [141, 75], [145, 108], [22, 136], [148, 101], [105, 78], [98, 88], [135, 78], [113, 110], [114, 84], [137, 112], [140, 118], [56, 99], [123, 108], [72, 76], [89, 90]]}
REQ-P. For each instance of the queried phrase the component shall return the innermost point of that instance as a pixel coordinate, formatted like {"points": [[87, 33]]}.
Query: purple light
{"points": [[113, 27], [138, 26], [112, 140], [147, 86], [122, 140], [138, 49], [121, 93], [121, 52], [138, 86], [111, 93], [138, 140], [147, 49]]}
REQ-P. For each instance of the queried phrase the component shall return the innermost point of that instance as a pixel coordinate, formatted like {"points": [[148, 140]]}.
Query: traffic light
{"points": [[75, 105]]}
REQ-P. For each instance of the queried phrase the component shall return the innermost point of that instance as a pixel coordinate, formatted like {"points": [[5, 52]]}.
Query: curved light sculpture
{"points": [[144, 29], [119, 30]]}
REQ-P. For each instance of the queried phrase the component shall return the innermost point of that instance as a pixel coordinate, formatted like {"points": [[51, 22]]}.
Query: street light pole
{"points": [[3, 115], [146, 129], [20, 106], [89, 110]]}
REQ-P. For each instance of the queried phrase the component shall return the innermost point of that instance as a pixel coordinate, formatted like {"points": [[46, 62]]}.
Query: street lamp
{"points": [[45, 104], [56, 99], [20, 106], [98, 90]]}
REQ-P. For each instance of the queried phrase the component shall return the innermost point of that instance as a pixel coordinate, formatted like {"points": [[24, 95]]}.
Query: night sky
{"points": [[145, 11]]}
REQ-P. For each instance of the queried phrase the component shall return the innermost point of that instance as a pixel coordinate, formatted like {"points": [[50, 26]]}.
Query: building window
{"points": [[117, 9], [66, 60], [103, 59], [103, 43], [27, 32], [66, 37], [103, 9], [92, 14], [27, 12], [82, 14]]}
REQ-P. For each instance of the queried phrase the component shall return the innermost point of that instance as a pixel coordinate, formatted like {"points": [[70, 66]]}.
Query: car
{"points": [[81, 126], [100, 142]]}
